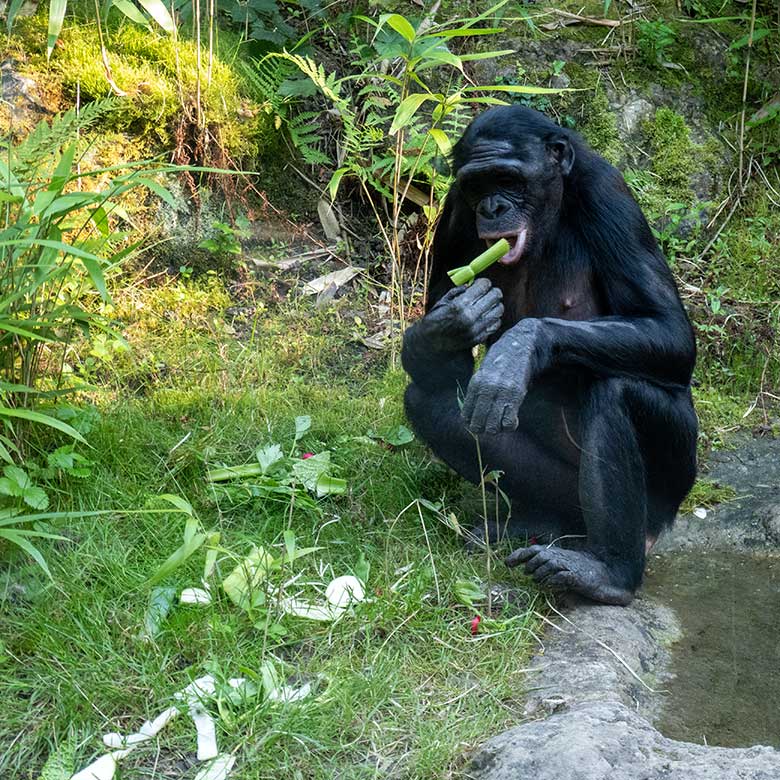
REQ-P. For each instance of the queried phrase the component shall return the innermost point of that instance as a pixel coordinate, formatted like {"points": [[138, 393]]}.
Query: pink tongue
{"points": [[516, 250]]}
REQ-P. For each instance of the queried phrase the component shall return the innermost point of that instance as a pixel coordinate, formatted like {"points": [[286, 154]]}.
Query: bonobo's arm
{"points": [[436, 351], [648, 338]]}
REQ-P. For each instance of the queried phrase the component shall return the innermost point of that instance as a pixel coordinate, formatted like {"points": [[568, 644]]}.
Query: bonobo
{"points": [[583, 397]]}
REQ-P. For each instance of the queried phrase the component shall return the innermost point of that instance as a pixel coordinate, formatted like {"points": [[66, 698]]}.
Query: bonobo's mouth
{"points": [[516, 241]]}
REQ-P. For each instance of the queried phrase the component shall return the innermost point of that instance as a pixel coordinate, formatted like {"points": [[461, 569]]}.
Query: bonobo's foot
{"points": [[575, 570]]}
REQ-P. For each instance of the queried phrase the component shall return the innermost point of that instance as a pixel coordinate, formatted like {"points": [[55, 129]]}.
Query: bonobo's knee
{"points": [[610, 393], [416, 401]]}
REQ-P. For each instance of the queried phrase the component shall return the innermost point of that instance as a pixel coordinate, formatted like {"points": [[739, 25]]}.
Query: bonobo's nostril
{"points": [[492, 207]]}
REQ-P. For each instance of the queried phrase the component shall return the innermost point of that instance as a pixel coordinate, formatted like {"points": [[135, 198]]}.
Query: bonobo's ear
{"points": [[562, 152]]}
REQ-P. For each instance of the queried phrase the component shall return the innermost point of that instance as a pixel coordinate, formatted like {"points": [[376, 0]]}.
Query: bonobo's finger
{"points": [[485, 305], [522, 554], [479, 287], [489, 315], [493, 421], [509, 421], [537, 561], [478, 411]]}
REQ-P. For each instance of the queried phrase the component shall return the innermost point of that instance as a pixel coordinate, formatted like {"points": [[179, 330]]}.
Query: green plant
{"points": [[225, 238], [654, 39], [268, 21], [394, 125], [714, 298], [275, 475], [156, 10], [58, 240]]}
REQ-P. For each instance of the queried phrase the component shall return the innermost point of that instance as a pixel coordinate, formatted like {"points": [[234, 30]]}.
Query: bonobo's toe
{"points": [[575, 570], [522, 554]]}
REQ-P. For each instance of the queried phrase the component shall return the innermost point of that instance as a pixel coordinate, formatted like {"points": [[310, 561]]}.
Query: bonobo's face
{"points": [[515, 189]]}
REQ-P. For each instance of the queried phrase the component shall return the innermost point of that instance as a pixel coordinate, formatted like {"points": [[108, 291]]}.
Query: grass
{"points": [[405, 687], [707, 494]]}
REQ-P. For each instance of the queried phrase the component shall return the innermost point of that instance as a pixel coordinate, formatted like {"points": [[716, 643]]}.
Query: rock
{"points": [[749, 522], [771, 523], [21, 104], [606, 740], [580, 664], [631, 114], [596, 689]]}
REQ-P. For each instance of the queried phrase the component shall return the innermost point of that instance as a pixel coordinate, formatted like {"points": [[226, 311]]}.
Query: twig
{"points": [[720, 229], [744, 97], [569, 18]]}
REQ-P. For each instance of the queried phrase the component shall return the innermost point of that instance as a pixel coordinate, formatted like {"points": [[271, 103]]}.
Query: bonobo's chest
{"points": [[568, 297]]}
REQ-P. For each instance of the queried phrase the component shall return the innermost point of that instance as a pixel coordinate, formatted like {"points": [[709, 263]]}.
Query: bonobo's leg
{"points": [[622, 501], [541, 485], [613, 498], [669, 452]]}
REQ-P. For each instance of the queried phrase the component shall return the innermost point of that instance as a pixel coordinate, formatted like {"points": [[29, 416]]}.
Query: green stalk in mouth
{"points": [[466, 273]]}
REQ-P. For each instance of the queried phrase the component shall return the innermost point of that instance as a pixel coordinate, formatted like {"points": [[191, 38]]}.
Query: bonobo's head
{"points": [[511, 165]]}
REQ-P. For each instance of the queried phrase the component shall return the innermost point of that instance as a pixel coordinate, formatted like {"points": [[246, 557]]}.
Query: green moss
{"points": [[672, 153], [600, 128], [745, 258], [164, 98]]}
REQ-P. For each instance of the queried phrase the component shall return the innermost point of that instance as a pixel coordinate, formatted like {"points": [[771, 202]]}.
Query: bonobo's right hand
{"points": [[464, 317]]}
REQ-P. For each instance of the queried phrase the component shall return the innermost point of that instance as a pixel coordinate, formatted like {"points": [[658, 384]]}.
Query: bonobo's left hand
{"points": [[499, 387]]}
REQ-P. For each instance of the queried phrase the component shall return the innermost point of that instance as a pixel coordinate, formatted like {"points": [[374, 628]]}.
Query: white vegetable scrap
{"points": [[218, 769], [700, 512], [340, 594], [199, 596], [195, 696]]}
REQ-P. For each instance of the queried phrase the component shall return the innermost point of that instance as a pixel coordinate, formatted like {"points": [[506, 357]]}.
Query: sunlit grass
{"points": [[404, 686]]}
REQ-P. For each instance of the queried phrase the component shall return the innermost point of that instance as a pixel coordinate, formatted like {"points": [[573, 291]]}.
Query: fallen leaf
{"points": [[339, 278]]}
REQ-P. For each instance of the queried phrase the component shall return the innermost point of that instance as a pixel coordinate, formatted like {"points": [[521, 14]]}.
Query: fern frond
{"points": [[48, 138], [305, 133]]}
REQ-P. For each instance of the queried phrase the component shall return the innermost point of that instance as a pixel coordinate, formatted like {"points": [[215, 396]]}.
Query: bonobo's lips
{"points": [[517, 243]]}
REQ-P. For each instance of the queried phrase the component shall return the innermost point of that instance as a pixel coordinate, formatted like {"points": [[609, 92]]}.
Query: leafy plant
{"points": [[58, 240], [225, 238], [277, 476], [155, 10], [267, 20], [654, 39], [394, 126]]}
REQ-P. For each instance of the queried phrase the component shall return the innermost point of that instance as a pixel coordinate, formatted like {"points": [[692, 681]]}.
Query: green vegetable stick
{"points": [[466, 273]]}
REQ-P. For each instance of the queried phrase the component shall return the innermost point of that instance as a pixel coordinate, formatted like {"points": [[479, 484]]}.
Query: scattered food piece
{"points": [[700, 512], [344, 591], [340, 594], [199, 596], [218, 769], [287, 694]]}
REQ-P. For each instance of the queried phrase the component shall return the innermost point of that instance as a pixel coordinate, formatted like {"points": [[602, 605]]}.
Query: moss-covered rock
{"points": [[165, 92]]}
